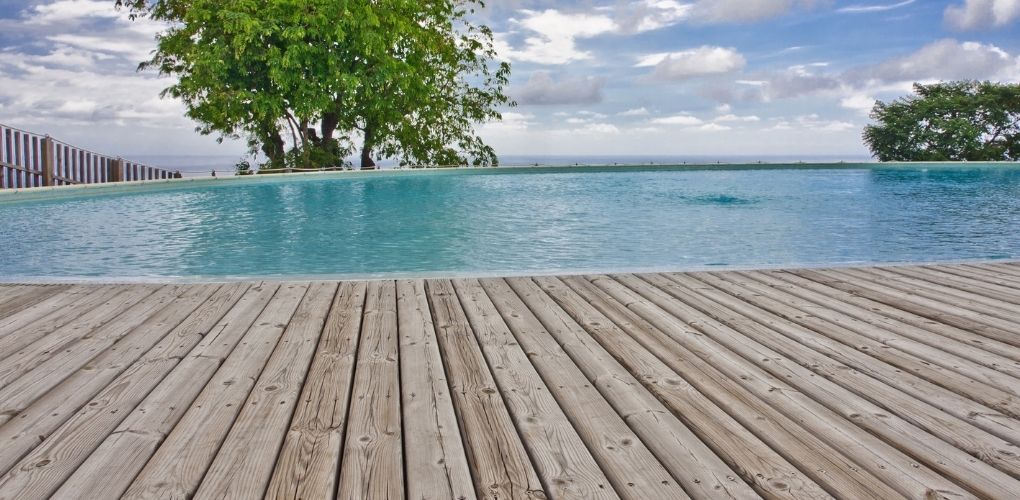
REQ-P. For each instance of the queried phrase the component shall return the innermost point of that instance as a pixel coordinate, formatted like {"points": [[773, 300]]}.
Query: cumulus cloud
{"points": [[702, 61], [553, 36], [543, 89], [941, 60], [977, 14]]}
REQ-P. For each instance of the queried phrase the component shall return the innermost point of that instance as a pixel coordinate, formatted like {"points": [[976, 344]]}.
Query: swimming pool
{"points": [[515, 221]]}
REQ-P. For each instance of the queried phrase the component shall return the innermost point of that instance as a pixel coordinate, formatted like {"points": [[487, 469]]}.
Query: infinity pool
{"points": [[515, 221]]}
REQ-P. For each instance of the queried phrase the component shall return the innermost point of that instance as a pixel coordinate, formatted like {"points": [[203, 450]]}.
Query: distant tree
{"points": [[403, 79], [955, 121]]}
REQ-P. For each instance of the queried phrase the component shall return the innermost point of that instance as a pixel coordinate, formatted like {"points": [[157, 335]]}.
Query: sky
{"points": [[591, 77]]}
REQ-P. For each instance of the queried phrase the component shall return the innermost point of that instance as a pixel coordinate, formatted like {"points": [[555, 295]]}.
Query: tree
{"points": [[408, 79], [955, 121]]}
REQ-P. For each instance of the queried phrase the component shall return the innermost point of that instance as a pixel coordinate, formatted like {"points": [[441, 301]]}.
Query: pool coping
{"points": [[187, 280]]}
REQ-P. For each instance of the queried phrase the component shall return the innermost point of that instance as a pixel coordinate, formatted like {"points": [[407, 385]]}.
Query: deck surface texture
{"points": [[877, 382]]}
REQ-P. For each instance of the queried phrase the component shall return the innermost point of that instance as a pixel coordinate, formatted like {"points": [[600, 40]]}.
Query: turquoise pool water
{"points": [[517, 222]]}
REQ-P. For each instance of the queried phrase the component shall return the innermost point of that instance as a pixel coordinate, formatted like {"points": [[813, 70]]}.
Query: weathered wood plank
{"points": [[177, 467], [16, 364], [20, 321], [561, 458], [501, 468], [109, 470], [372, 465], [19, 298], [701, 472], [917, 379], [628, 464], [938, 311], [49, 464], [310, 459], [53, 367], [244, 464], [743, 449], [16, 333], [434, 457], [889, 318], [822, 403], [810, 348]]}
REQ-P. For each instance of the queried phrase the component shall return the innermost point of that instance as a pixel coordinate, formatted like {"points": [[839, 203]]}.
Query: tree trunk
{"points": [[273, 146], [330, 121], [366, 150]]}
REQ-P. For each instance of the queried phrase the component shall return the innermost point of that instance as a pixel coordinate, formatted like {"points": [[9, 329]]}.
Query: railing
{"points": [[33, 160]]}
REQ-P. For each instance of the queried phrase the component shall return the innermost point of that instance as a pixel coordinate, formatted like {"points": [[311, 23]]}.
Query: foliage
{"points": [[408, 79], [955, 121]]}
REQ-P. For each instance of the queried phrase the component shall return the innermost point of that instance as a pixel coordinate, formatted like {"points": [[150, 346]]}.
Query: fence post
{"points": [[117, 170], [48, 166]]}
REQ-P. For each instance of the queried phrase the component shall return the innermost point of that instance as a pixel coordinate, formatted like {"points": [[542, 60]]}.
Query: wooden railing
{"points": [[33, 160]]}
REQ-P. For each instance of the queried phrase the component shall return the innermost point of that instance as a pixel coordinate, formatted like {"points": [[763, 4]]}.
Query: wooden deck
{"points": [[852, 383]]}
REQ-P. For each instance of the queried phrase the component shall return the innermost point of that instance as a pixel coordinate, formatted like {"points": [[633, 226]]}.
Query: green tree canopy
{"points": [[404, 79], [955, 121]]}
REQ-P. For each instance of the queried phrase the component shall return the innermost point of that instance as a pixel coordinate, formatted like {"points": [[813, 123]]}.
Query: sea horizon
{"points": [[195, 165]]}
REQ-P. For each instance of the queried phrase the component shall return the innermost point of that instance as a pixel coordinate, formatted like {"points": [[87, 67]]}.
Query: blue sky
{"points": [[596, 77]]}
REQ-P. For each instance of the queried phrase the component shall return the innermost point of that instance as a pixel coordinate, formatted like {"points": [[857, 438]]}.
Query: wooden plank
{"points": [[628, 464], [434, 457], [851, 460], [244, 464], [41, 408], [886, 317], [564, 464], [761, 317], [177, 467], [15, 364], [501, 468], [939, 308], [971, 284], [50, 463], [27, 296], [144, 315], [934, 311], [372, 464], [916, 380], [310, 459], [820, 404], [1002, 307], [981, 273], [751, 458], [25, 319], [937, 366], [109, 470], [17, 335], [701, 472]]}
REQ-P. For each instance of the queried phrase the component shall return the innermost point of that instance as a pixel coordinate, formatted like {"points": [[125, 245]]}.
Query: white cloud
{"points": [[866, 9], [70, 10], [683, 119], [941, 60], [642, 111], [858, 102], [977, 14], [650, 15], [736, 118], [701, 61], [814, 123], [714, 127], [554, 36]]}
